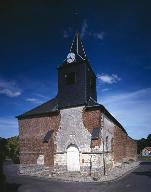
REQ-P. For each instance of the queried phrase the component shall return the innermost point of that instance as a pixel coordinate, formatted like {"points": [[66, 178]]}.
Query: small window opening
{"points": [[70, 78], [92, 82], [107, 144]]}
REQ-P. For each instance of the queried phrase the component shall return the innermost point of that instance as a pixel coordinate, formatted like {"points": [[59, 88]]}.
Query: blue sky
{"points": [[36, 36]]}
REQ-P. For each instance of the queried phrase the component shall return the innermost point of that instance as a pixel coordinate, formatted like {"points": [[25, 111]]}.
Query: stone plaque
{"points": [[40, 160]]}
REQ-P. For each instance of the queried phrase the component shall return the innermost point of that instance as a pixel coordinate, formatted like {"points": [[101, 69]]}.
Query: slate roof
{"points": [[52, 106], [48, 107], [77, 46]]}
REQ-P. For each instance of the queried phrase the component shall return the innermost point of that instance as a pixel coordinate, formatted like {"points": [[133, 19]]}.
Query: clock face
{"points": [[70, 57]]}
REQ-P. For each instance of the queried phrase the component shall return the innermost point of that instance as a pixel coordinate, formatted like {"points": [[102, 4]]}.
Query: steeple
{"points": [[76, 79], [77, 47]]}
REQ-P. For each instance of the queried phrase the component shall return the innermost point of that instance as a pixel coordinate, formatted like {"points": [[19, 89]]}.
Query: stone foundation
{"points": [[35, 170]]}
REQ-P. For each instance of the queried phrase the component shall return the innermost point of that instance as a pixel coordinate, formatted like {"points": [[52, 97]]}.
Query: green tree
{"points": [[142, 143], [13, 149]]}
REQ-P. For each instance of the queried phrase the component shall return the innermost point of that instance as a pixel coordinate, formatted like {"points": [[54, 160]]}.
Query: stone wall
{"points": [[31, 135], [71, 131]]}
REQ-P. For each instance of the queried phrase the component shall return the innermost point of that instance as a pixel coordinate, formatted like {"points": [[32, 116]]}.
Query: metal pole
{"points": [[104, 171], [104, 168]]}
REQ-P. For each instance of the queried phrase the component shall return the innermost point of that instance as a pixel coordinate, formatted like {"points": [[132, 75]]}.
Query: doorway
{"points": [[73, 161]]}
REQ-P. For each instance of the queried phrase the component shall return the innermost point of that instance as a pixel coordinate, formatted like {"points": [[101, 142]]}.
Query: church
{"points": [[73, 132]]}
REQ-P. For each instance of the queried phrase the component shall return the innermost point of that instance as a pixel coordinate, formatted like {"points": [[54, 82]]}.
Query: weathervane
{"points": [[76, 18]]}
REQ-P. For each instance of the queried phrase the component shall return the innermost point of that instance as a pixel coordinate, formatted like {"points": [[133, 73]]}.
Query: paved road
{"points": [[137, 181]]}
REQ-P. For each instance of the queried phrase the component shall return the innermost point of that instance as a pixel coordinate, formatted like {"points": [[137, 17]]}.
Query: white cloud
{"points": [[99, 36], [34, 100], [8, 127], [41, 96], [132, 109], [84, 28], [67, 33], [9, 88], [85, 31], [109, 79], [105, 89]]}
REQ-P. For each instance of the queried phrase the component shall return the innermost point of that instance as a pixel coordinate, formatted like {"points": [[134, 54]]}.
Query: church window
{"points": [[112, 144], [70, 78], [95, 133], [48, 136]]}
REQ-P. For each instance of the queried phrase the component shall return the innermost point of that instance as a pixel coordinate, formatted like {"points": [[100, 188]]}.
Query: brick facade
{"points": [[124, 148], [31, 134], [91, 120]]}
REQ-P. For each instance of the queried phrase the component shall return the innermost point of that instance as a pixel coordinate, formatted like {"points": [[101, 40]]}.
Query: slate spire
{"points": [[77, 47]]}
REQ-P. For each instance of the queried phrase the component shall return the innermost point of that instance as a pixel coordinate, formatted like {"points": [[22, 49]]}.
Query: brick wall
{"points": [[31, 134], [131, 148], [92, 119], [124, 148]]}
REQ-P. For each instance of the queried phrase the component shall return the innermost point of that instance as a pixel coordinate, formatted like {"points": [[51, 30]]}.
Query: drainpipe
{"points": [[91, 158], [104, 170]]}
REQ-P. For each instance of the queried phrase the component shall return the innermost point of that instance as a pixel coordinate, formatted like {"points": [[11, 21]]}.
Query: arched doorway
{"points": [[73, 162]]}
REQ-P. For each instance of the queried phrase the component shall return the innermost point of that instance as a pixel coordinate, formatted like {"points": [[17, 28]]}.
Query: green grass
{"points": [[144, 158]]}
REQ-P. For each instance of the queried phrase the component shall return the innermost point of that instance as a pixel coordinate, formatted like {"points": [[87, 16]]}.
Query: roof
{"points": [[77, 46], [48, 107], [148, 148], [51, 106]]}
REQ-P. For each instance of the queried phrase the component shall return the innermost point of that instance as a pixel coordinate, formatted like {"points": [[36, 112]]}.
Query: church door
{"points": [[73, 163]]}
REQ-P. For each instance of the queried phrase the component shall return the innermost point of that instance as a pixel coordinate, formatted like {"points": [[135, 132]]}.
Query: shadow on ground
{"points": [[12, 187], [145, 163], [144, 173]]}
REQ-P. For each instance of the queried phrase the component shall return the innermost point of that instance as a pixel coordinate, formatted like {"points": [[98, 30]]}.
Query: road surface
{"points": [[137, 181]]}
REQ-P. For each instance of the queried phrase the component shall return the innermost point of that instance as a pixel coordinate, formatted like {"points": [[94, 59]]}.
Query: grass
{"points": [[144, 158]]}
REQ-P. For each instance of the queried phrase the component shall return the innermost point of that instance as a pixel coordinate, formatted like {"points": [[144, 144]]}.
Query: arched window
{"points": [[107, 143]]}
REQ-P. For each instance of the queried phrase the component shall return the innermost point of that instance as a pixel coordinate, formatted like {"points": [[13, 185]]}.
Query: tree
{"points": [[142, 143], [13, 148]]}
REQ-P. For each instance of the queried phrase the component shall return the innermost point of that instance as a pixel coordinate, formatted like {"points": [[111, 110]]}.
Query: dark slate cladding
{"points": [[48, 107], [95, 133], [80, 92], [48, 136]]}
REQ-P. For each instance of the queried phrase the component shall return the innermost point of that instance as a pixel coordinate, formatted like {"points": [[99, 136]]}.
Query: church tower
{"points": [[76, 79]]}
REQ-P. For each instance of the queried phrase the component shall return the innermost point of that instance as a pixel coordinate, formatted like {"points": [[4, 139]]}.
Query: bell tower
{"points": [[76, 79]]}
